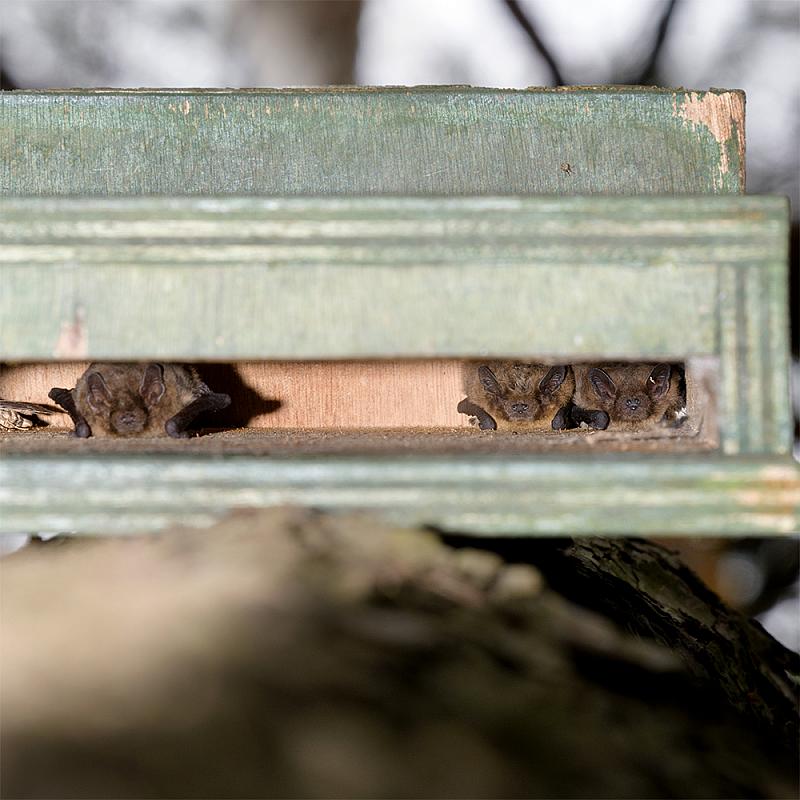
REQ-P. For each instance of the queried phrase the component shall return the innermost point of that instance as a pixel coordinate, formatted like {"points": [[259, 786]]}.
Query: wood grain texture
{"points": [[443, 140], [286, 395], [495, 495]]}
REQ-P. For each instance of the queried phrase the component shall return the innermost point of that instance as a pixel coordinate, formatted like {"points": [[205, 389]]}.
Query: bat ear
{"points": [[658, 382], [488, 380], [152, 388], [553, 380], [99, 397], [602, 384]]}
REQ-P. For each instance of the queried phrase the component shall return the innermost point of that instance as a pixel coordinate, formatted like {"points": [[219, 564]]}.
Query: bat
{"points": [[137, 400], [630, 397], [512, 396]]}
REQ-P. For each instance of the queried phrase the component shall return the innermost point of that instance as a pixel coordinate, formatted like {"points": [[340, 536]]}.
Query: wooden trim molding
{"points": [[508, 495], [561, 279]]}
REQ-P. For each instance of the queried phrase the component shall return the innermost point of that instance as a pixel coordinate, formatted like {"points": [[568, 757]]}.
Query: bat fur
{"points": [[505, 395], [628, 397], [144, 399]]}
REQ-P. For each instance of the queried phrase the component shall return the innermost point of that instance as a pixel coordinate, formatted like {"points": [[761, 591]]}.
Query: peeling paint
{"points": [[187, 107], [722, 115], [73, 339]]}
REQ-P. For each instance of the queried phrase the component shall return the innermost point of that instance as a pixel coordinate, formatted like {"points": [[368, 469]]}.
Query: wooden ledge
{"points": [[488, 494]]}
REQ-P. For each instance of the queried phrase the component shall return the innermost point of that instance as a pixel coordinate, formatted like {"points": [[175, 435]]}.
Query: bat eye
{"points": [[519, 408]]}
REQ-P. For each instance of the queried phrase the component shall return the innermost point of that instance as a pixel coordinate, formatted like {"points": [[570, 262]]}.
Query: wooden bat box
{"points": [[334, 258]]}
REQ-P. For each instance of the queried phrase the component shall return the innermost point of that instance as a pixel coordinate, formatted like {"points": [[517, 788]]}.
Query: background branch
{"points": [[527, 25]]}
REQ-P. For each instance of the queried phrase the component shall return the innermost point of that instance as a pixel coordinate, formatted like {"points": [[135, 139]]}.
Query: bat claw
{"points": [[599, 420], [172, 429], [559, 422]]}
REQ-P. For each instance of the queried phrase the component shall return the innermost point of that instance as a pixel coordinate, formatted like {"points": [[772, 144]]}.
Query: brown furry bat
{"points": [[137, 400], [510, 396], [631, 397]]}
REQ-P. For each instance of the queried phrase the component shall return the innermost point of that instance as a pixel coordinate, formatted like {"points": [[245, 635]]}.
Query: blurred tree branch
{"points": [[6, 84], [527, 25], [649, 72], [646, 76]]}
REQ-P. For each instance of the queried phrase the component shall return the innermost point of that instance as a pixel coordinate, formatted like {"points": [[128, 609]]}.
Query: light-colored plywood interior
{"points": [[321, 394], [369, 396]]}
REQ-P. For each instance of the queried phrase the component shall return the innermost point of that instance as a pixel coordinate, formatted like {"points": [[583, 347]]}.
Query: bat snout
{"points": [[128, 421], [633, 407], [520, 410]]}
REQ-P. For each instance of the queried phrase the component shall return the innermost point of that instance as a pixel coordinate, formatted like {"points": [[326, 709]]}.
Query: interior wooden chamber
{"points": [[344, 406]]}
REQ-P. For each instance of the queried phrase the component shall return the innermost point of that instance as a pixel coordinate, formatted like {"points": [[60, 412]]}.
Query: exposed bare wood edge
{"points": [[492, 495], [723, 117]]}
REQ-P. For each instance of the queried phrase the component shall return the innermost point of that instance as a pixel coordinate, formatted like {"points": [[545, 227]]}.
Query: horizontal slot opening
{"points": [[385, 406]]}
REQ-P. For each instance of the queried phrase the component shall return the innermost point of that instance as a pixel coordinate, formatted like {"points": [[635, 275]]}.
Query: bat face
{"points": [[522, 392], [129, 418], [122, 397], [633, 393]]}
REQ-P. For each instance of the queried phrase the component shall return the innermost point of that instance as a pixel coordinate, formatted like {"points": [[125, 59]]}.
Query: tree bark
{"points": [[646, 589], [293, 654]]}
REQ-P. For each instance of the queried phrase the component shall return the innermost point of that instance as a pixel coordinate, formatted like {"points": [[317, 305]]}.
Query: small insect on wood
{"points": [[510, 396], [629, 397], [137, 400]]}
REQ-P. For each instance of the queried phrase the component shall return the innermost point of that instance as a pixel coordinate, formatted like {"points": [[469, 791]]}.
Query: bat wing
{"points": [[14, 415], [28, 408]]}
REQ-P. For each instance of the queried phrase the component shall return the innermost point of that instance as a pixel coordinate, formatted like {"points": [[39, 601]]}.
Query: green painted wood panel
{"points": [[249, 278], [630, 495], [368, 141], [565, 278]]}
